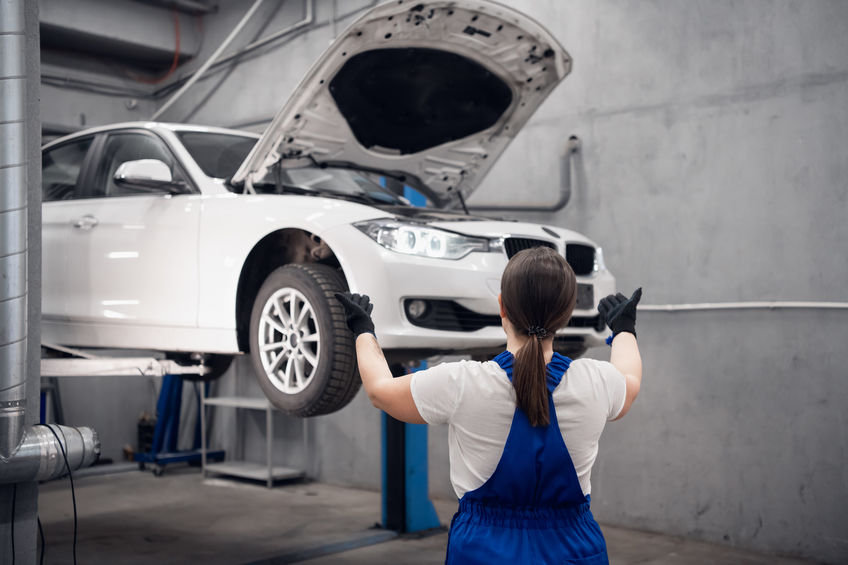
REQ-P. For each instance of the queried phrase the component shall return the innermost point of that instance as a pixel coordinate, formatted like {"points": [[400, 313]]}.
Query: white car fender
{"points": [[222, 255]]}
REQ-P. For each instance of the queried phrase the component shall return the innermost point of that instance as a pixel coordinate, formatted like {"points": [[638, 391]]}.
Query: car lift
{"points": [[406, 505], [406, 499], [164, 448]]}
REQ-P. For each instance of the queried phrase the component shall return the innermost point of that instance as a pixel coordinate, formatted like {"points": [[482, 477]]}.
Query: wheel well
{"points": [[276, 249]]}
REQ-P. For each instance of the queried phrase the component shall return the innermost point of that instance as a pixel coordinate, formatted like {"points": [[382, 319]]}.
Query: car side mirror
{"points": [[147, 174]]}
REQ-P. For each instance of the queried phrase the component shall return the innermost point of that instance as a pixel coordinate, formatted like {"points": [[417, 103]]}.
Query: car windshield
{"points": [[218, 154], [330, 181]]}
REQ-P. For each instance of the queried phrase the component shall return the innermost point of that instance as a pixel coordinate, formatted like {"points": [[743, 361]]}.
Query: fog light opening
{"points": [[416, 309]]}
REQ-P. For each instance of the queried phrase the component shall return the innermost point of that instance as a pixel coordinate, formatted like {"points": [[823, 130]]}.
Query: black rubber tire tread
{"points": [[353, 384], [334, 388]]}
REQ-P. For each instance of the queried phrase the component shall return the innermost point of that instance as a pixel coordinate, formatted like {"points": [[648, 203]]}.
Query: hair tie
{"points": [[538, 331]]}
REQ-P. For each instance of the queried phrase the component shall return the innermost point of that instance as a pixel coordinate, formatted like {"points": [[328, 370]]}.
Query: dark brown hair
{"points": [[538, 293]]}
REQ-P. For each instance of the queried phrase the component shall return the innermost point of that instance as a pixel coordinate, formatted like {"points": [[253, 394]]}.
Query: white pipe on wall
{"points": [[741, 306]]}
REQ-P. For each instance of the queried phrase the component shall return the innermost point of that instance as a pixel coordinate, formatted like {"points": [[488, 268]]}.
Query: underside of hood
{"points": [[431, 92]]}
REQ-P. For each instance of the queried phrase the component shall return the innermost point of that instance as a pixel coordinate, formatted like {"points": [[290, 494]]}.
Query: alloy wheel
{"points": [[289, 340]]}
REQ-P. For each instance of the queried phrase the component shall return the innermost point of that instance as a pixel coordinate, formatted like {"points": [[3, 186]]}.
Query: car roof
{"points": [[153, 126]]}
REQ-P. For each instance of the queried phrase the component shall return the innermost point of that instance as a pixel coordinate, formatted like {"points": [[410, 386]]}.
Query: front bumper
{"points": [[473, 282]]}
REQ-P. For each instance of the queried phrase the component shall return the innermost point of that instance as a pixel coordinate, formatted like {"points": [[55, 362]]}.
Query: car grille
{"points": [[586, 322], [581, 257], [515, 244], [447, 315]]}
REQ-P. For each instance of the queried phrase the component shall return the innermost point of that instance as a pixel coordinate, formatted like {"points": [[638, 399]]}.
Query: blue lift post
{"points": [[406, 498], [164, 448]]}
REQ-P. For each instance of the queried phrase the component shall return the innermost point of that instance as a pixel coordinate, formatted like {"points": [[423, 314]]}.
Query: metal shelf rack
{"points": [[245, 469]]}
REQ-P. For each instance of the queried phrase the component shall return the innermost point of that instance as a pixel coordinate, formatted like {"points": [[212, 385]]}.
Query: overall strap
{"points": [[535, 468], [556, 368]]}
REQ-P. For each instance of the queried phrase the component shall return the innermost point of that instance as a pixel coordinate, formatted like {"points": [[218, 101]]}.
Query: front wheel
{"points": [[300, 347]]}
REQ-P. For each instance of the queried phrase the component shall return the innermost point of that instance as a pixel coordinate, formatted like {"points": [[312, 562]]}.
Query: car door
{"points": [[140, 263], [63, 184]]}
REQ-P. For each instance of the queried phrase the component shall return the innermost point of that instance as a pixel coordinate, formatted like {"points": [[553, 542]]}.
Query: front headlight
{"points": [[415, 239], [599, 261]]}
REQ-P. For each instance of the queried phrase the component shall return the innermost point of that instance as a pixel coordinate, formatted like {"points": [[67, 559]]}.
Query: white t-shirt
{"points": [[477, 401]]}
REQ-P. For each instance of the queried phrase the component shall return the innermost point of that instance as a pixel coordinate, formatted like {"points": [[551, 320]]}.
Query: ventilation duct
{"points": [[25, 454]]}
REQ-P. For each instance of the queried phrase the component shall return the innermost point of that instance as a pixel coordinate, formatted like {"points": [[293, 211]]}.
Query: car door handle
{"points": [[86, 222]]}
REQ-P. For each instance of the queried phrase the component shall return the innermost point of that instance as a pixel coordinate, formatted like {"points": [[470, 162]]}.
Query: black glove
{"points": [[358, 309], [619, 312]]}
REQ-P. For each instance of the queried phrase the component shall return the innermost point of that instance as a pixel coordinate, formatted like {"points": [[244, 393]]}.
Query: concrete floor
{"points": [[134, 517]]}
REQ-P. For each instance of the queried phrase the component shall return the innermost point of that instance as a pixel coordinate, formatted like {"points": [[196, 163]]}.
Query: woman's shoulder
{"points": [[481, 374], [465, 368], [589, 364], [588, 368]]}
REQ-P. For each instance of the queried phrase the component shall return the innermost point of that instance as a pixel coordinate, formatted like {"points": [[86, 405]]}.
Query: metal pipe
{"points": [[776, 305], [13, 227], [40, 457], [34, 453], [571, 147], [307, 20], [178, 94], [186, 6]]}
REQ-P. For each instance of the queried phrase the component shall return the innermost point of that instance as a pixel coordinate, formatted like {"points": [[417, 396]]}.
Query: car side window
{"points": [[60, 170], [122, 147]]}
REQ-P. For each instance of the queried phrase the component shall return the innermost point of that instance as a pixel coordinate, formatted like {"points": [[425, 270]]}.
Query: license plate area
{"points": [[585, 297]]}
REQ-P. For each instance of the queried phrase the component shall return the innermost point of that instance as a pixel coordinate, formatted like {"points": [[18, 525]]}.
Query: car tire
{"points": [[303, 377]]}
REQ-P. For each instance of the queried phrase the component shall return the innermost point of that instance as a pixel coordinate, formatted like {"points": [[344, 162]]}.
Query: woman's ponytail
{"points": [[530, 382], [538, 295]]}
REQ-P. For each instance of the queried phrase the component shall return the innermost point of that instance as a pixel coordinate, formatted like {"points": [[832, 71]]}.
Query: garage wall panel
{"points": [[739, 434], [712, 170]]}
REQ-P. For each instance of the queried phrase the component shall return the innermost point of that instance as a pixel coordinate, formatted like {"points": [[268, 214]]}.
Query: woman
{"points": [[524, 495]]}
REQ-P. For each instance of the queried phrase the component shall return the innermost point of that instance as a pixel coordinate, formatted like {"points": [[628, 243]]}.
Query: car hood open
{"points": [[431, 92]]}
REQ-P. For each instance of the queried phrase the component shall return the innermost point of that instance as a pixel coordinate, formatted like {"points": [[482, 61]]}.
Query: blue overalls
{"points": [[532, 509]]}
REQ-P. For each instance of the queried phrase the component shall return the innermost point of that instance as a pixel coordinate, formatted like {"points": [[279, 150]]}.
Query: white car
{"points": [[207, 242]]}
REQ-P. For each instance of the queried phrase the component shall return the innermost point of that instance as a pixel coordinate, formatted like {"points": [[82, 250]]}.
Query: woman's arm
{"points": [[619, 313], [626, 358], [388, 393], [392, 395]]}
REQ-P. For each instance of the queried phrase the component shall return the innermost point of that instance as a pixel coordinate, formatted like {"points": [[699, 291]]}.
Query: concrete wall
{"points": [[711, 169]]}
